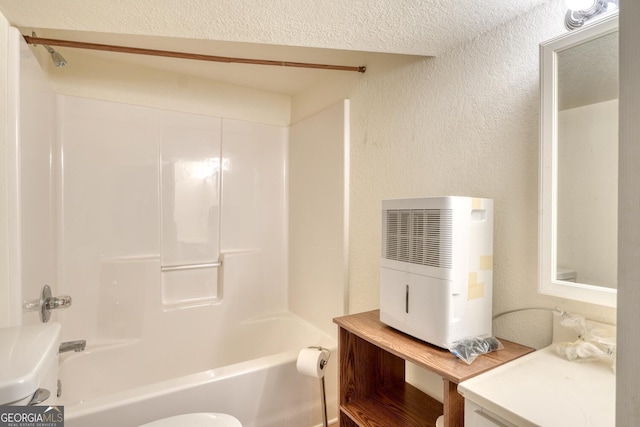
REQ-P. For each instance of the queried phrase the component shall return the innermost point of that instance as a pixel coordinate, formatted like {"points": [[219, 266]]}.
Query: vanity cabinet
{"points": [[477, 416], [542, 389], [373, 391]]}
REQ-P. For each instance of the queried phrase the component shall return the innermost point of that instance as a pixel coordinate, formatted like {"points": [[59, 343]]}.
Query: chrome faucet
{"points": [[77, 345]]}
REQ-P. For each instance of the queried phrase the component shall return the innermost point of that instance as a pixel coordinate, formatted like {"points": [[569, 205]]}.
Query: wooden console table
{"points": [[373, 391]]}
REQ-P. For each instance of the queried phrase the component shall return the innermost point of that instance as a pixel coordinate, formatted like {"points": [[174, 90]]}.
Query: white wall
{"points": [[5, 84], [588, 192], [318, 211], [464, 123]]}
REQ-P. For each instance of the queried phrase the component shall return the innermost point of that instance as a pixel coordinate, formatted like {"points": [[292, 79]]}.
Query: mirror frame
{"points": [[547, 192]]}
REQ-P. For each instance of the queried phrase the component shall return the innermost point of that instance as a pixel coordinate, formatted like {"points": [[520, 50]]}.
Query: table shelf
{"points": [[373, 391], [400, 404]]}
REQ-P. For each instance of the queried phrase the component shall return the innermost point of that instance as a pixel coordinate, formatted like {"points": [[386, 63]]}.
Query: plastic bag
{"points": [[593, 344], [469, 349]]}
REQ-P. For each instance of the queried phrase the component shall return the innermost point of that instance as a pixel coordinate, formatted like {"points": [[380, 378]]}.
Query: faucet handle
{"points": [[63, 301], [48, 303]]}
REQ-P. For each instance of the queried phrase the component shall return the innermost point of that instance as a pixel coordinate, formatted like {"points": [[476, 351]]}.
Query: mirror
{"points": [[579, 164]]}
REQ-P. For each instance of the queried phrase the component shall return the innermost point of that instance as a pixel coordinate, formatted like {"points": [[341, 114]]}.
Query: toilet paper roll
{"points": [[312, 361]]}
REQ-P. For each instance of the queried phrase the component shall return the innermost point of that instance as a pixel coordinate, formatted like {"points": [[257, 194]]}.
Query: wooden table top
{"points": [[367, 325]]}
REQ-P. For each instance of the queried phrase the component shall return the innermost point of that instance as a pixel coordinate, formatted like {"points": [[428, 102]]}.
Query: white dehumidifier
{"points": [[437, 267]]}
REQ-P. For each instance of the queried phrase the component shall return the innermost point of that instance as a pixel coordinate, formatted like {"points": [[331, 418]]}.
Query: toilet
{"points": [[565, 274], [29, 364], [196, 420]]}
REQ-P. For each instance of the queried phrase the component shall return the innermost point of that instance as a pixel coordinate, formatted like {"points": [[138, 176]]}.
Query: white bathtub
{"points": [[248, 371]]}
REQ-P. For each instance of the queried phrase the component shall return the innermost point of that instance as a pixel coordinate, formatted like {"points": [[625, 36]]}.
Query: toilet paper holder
{"points": [[324, 360]]}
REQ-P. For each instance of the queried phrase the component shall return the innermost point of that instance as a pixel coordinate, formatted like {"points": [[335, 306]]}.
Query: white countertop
{"points": [[543, 389]]}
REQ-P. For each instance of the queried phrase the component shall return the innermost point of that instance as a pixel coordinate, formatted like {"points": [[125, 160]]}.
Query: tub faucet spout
{"points": [[78, 345]]}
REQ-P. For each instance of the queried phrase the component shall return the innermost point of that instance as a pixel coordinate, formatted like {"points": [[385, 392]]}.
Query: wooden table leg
{"points": [[453, 405]]}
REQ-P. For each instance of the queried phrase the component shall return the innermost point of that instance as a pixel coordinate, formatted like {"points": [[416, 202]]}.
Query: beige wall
{"points": [[628, 365], [464, 123]]}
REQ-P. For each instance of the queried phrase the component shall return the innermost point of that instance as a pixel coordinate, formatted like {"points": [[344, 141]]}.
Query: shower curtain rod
{"points": [[140, 51]]}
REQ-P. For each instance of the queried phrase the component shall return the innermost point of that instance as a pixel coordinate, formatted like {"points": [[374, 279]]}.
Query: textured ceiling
{"points": [[426, 27], [275, 28], [588, 73]]}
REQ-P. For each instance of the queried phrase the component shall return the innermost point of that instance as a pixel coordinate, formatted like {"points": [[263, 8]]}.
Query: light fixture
{"points": [[580, 11], [580, 4], [56, 57]]}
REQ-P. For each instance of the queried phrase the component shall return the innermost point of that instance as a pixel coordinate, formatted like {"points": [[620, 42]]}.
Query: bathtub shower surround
{"points": [[151, 201], [190, 176], [139, 186], [140, 203], [171, 233]]}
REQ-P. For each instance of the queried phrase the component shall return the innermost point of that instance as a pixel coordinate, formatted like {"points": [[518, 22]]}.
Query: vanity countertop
{"points": [[544, 389]]}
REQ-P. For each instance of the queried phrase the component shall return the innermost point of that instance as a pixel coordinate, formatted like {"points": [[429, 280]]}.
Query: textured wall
{"points": [[464, 123]]}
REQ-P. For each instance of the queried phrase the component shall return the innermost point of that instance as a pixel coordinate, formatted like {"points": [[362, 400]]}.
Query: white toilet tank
{"points": [[566, 274], [29, 362]]}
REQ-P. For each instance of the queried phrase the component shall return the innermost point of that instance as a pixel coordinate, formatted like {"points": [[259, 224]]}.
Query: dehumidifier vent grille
{"points": [[418, 236]]}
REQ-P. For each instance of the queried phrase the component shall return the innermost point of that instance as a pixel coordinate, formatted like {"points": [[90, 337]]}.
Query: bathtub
{"points": [[248, 372]]}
